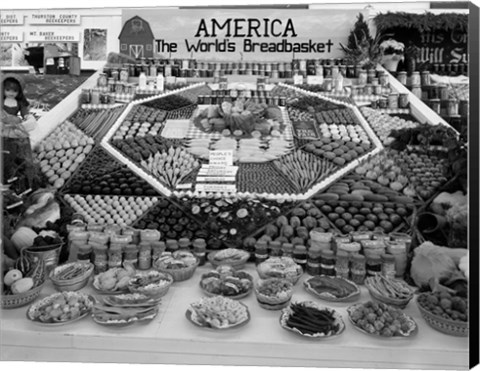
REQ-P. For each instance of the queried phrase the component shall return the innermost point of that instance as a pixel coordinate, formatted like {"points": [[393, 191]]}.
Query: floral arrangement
{"points": [[392, 46]]}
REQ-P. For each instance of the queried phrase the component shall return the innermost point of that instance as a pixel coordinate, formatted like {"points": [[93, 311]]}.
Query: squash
{"points": [[23, 237]]}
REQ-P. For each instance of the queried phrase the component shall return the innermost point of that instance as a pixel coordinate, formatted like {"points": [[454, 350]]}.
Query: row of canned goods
{"points": [[392, 101], [218, 99]]}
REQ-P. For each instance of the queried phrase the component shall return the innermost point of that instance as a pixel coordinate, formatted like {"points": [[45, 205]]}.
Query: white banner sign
{"points": [[53, 36], [11, 35], [11, 18], [52, 17]]}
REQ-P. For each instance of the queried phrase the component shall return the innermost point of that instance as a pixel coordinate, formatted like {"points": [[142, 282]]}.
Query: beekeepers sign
{"points": [[12, 35], [261, 34], [53, 35], [11, 18], [54, 18]]}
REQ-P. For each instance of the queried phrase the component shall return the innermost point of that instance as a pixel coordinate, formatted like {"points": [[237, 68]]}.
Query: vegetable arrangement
{"points": [[311, 320], [171, 221], [96, 123], [262, 178], [141, 121], [339, 151], [110, 209], [381, 320], [295, 228], [99, 174], [343, 116], [171, 166], [181, 113], [60, 154], [350, 216], [218, 312], [168, 102], [383, 124], [303, 169], [389, 288], [331, 288], [445, 305], [231, 219], [141, 148]]}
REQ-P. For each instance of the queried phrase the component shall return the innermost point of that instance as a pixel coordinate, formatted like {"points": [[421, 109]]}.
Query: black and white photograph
{"points": [[279, 184]]}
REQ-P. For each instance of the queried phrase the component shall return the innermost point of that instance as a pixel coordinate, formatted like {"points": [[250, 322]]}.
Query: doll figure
{"points": [[16, 122]]}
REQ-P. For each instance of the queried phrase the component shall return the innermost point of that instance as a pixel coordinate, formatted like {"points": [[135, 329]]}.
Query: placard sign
{"points": [[52, 17], [221, 158], [53, 35], [245, 34], [11, 18], [12, 35]]}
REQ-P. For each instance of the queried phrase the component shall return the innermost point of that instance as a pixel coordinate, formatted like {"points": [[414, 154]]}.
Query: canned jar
{"points": [[358, 269], [342, 264]]}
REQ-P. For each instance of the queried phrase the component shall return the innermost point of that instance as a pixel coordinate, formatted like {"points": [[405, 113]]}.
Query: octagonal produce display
{"points": [[286, 142]]}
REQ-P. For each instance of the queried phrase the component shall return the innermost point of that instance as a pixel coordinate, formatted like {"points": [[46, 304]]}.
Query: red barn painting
{"points": [[136, 38]]}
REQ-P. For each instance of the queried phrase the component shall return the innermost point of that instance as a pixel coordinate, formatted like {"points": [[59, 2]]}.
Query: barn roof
{"points": [[146, 27]]}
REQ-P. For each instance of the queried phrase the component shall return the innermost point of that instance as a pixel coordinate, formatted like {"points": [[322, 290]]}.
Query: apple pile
{"points": [[351, 216], [60, 154], [99, 174], [383, 123], [141, 121], [415, 175]]}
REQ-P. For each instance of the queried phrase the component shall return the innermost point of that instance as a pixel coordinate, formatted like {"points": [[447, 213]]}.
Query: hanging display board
{"points": [[236, 34], [435, 46]]}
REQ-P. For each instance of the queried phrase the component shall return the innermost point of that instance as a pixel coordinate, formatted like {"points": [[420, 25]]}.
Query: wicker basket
{"points": [[20, 300], [274, 303], [237, 264], [447, 326], [400, 303], [154, 291], [73, 284], [180, 274]]}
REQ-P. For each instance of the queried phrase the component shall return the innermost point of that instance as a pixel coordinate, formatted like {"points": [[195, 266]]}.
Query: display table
{"points": [[171, 338]]}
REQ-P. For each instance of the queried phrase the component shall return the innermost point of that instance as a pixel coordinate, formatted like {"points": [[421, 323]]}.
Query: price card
{"points": [[224, 188], [215, 179], [221, 158], [314, 80], [297, 79], [213, 170]]}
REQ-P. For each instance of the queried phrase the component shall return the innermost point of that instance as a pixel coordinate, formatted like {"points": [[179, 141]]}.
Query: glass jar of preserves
{"points": [[261, 252], [102, 80], [342, 264], [124, 74], [373, 265], [358, 269], [327, 263], [314, 261], [300, 256], [199, 250], [388, 265]]}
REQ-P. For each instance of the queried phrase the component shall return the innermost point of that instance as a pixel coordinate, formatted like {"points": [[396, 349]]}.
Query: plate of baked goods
{"points": [[218, 313], [381, 320], [227, 281], [335, 289], [61, 308], [312, 321]]}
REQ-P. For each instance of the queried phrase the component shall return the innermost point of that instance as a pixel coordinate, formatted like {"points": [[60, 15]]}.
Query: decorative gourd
{"points": [[23, 237], [37, 273], [24, 264], [22, 285]]}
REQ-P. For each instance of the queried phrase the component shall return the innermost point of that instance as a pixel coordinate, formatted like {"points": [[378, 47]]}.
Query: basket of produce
{"points": [[445, 312], [389, 291], [218, 313], [61, 308], [236, 258], [381, 320], [280, 267], [114, 280], [23, 284], [335, 289], [180, 264], [154, 284], [312, 321], [228, 282], [273, 293], [47, 248], [71, 276]]}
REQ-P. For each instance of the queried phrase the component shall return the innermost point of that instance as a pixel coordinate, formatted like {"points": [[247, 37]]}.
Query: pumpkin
{"points": [[23, 237]]}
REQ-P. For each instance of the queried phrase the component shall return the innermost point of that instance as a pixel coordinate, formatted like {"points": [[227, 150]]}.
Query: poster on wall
{"points": [[95, 44], [235, 34]]}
